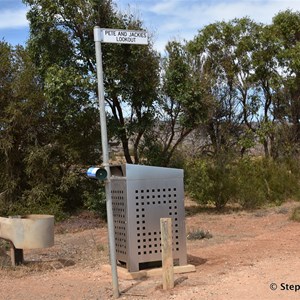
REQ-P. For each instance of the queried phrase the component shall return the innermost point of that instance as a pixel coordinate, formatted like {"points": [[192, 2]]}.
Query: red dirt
{"points": [[247, 253]]}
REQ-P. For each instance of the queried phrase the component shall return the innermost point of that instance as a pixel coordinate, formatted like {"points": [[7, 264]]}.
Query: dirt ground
{"points": [[248, 256]]}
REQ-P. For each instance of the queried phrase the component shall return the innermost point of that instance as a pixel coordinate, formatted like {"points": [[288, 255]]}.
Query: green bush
{"points": [[197, 180], [38, 201], [95, 201], [251, 187], [296, 214], [264, 181], [282, 183], [250, 182], [73, 191], [210, 181]]}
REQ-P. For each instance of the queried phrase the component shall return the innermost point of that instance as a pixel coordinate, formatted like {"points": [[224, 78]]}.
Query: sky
{"points": [[164, 19]]}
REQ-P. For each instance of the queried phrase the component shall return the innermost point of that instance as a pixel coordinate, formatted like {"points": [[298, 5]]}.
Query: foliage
{"points": [[296, 214], [181, 107], [237, 82], [218, 62], [286, 28], [199, 234], [49, 124], [21, 122], [251, 74], [95, 201], [155, 154], [61, 43], [211, 181], [252, 183], [264, 181], [41, 139]]}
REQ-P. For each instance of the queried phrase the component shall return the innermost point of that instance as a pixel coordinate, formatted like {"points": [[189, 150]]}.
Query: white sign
{"points": [[120, 36]]}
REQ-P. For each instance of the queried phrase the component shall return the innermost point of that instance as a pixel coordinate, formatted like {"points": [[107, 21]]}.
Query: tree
{"points": [[37, 146], [214, 48], [21, 122], [286, 26], [240, 60], [61, 38], [181, 107]]}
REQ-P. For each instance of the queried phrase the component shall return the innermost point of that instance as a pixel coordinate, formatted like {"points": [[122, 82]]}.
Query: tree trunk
{"points": [[125, 145], [266, 148]]}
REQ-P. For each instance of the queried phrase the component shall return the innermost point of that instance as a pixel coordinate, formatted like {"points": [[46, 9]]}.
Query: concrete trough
{"points": [[27, 232]]}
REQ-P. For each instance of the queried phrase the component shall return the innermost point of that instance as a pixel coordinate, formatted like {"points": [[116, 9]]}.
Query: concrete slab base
{"points": [[124, 274]]}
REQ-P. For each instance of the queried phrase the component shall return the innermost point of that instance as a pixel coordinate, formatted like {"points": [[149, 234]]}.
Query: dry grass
{"points": [[296, 214], [199, 234]]}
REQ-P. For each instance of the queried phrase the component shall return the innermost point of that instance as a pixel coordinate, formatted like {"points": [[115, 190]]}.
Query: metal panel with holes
{"points": [[141, 195]]}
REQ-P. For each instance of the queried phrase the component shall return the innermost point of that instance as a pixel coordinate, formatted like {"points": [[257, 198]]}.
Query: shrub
{"points": [[199, 234], [263, 181], [95, 201], [210, 181], [251, 186], [40, 200], [197, 180], [250, 182], [296, 214]]}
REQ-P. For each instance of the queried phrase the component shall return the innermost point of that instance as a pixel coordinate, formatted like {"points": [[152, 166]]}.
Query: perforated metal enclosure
{"points": [[141, 195]]}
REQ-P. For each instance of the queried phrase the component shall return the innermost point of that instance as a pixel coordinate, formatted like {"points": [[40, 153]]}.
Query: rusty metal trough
{"points": [[27, 232]]}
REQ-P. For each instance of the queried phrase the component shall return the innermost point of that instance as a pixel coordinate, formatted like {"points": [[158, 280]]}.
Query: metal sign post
{"points": [[123, 37], [110, 223]]}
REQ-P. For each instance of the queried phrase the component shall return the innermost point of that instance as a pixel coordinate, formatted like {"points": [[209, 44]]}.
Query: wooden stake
{"points": [[167, 255]]}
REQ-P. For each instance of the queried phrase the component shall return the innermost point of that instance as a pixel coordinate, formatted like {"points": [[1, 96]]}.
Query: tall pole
{"points": [[110, 221]]}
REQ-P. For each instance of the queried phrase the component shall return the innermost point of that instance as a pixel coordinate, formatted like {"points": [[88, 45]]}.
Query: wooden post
{"points": [[167, 255]]}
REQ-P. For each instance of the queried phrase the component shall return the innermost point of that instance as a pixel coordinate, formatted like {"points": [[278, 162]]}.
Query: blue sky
{"points": [[165, 19]]}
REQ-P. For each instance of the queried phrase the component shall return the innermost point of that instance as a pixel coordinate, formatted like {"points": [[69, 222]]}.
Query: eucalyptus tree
{"points": [[181, 106], [215, 49], [21, 121], [61, 43], [38, 149], [286, 28], [239, 57], [267, 82]]}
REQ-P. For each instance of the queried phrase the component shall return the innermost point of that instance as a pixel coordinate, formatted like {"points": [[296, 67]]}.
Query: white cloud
{"points": [[165, 7], [260, 11], [193, 13], [177, 18], [13, 18]]}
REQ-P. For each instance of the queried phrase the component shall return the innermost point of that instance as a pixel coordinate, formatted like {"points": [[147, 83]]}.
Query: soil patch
{"points": [[248, 256]]}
